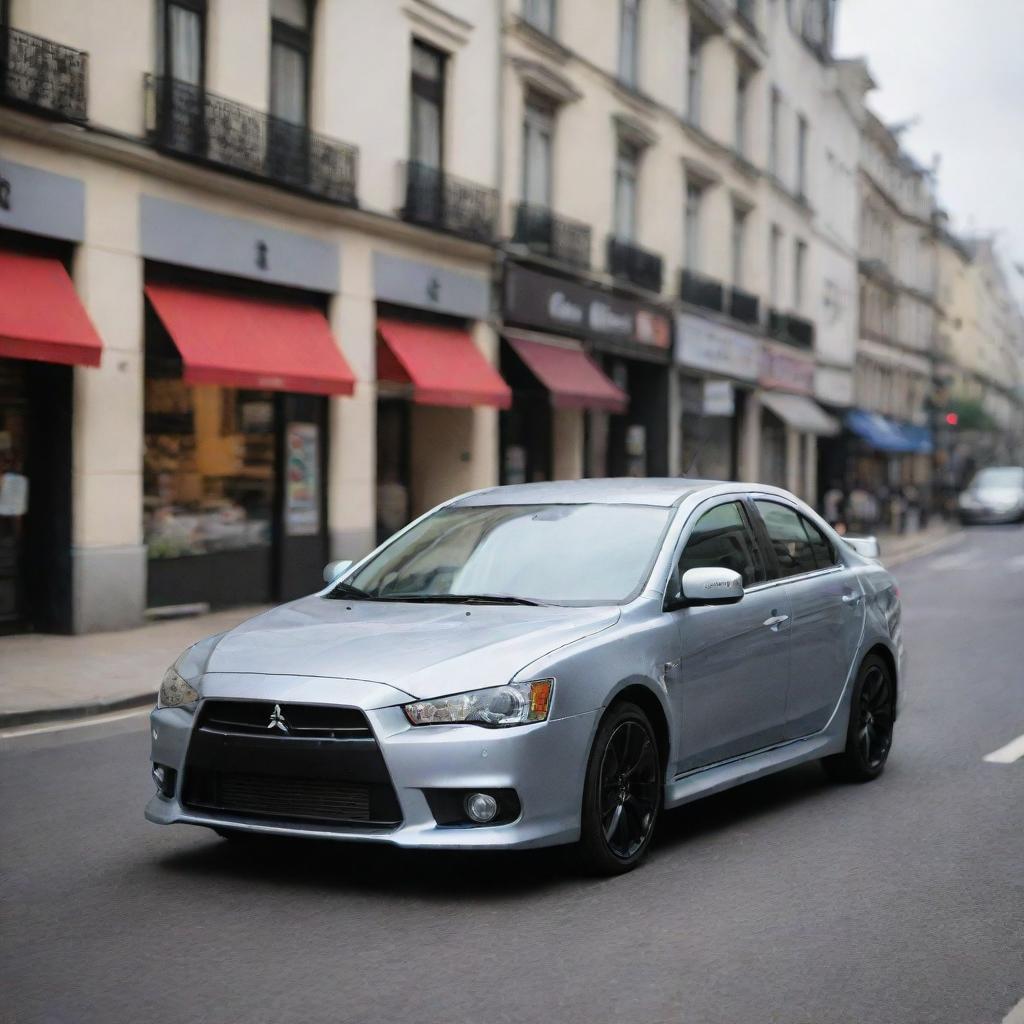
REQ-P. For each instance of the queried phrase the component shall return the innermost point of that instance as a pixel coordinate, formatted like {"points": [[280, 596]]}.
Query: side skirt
{"points": [[715, 778]]}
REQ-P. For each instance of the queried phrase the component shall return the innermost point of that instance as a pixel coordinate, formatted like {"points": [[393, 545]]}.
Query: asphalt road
{"points": [[789, 900]]}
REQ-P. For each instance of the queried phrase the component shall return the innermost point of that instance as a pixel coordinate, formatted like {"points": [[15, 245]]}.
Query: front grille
{"points": [[273, 797], [288, 762], [257, 717]]}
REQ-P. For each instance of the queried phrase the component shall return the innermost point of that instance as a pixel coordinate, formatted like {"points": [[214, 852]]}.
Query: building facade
{"points": [[272, 253]]}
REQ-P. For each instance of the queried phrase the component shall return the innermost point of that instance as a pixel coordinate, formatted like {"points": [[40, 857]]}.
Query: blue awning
{"points": [[887, 435]]}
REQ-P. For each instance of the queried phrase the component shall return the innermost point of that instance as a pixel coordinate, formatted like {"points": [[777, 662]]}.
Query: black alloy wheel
{"points": [[872, 716], [623, 792]]}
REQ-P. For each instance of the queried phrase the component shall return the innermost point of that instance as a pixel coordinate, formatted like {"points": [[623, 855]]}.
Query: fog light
{"points": [[481, 807], [159, 776], [166, 779]]}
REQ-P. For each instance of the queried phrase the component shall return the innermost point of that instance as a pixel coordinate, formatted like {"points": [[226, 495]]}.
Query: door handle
{"points": [[851, 597], [774, 621]]}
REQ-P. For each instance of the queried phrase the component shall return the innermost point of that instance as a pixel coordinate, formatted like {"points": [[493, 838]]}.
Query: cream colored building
{"points": [[258, 151]]}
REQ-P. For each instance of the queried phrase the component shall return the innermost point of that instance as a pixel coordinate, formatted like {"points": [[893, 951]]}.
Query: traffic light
{"points": [[952, 419]]}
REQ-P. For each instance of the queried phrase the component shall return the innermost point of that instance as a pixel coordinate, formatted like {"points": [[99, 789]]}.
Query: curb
{"points": [[90, 709], [922, 549]]}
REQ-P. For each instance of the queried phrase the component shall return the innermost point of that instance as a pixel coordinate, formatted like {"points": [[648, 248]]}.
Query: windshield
{"points": [[557, 554], [999, 476]]}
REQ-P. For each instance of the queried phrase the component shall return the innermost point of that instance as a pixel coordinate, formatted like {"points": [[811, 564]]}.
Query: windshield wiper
{"points": [[346, 590], [465, 599]]}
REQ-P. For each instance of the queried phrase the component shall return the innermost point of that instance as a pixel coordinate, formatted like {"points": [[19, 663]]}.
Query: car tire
{"points": [[869, 733], [622, 794]]}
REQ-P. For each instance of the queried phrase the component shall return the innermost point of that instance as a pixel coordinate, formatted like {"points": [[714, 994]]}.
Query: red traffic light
{"points": [[952, 419]]}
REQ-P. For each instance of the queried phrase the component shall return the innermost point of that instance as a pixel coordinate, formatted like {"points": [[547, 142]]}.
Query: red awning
{"points": [[241, 342], [573, 378], [41, 316], [442, 364]]}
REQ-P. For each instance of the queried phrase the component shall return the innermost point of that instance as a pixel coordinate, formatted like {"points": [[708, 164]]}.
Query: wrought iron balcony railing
{"points": [[790, 329], [701, 291], [743, 306], [43, 76], [188, 121], [436, 199], [631, 263], [562, 239]]}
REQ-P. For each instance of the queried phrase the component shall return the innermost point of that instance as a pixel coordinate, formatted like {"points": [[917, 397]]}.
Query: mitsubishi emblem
{"points": [[277, 719]]}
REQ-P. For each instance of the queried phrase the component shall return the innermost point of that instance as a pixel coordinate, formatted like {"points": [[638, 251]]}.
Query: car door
{"points": [[734, 659], [827, 606]]}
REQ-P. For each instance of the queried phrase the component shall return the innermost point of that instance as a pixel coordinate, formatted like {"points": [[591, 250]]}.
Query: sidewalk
{"points": [[45, 678]]}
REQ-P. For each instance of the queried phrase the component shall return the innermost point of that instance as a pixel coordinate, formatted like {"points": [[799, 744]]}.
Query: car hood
{"points": [[427, 650]]}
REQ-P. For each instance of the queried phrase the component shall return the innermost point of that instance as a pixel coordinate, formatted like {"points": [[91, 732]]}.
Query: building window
{"points": [[290, 46], [693, 76], [540, 14], [774, 264], [739, 232], [427, 122], [691, 226], [799, 272], [774, 115], [629, 41], [626, 167], [538, 131], [801, 157], [742, 96], [181, 40]]}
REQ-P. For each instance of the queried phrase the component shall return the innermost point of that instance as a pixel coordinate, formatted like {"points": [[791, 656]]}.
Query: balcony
{"points": [[558, 238], [791, 330], [43, 76], [744, 307], [701, 291], [187, 121], [631, 263], [438, 200]]}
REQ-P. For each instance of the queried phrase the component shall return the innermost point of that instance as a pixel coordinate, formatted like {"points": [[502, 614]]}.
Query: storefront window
{"points": [[209, 469]]}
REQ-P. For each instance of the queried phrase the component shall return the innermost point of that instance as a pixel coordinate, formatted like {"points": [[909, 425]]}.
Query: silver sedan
{"points": [[541, 664]]}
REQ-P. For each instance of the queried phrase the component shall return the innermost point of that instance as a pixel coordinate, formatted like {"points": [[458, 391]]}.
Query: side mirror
{"points": [[711, 586], [332, 570], [866, 546]]}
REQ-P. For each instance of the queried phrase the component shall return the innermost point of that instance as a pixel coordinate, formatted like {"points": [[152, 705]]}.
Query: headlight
{"points": [[175, 692], [496, 707]]}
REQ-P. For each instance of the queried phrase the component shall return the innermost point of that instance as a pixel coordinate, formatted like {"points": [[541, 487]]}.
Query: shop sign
{"points": [[426, 286], [714, 347], [786, 371], [561, 306], [719, 398], [40, 202], [302, 480]]}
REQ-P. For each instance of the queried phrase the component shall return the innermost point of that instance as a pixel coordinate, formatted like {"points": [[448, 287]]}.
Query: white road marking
{"points": [[1013, 751], [1016, 1015], [35, 730]]}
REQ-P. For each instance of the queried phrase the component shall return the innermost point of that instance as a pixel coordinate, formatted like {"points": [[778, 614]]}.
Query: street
{"points": [[789, 900]]}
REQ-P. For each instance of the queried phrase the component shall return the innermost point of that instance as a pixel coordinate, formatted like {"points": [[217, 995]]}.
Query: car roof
{"points": [[660, 491]]}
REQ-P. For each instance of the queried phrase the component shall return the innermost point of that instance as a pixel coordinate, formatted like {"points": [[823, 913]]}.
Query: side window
{"points": [[798, 544], [722, 538]]}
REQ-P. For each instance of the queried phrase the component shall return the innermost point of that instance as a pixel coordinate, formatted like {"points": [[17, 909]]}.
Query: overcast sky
{"points": [[957, 66]]}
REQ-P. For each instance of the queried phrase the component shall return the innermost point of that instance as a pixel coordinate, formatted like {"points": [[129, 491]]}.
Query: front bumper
{"points": [[544, 763], [980, 516]]}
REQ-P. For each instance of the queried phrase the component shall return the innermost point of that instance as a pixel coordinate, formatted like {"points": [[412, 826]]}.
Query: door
{"points": [[827, 606], [302, 465], [734, 669]]}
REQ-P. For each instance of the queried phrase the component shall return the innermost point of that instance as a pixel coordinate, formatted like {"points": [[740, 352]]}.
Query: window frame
{"points": [[629, 59], [164, 54], [768, 551], [693, 203], [539, 120], [531, 10], [432, 92], [627, 168], [301, 40]]}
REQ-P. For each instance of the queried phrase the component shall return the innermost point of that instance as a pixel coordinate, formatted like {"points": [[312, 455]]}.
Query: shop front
{"points": [[718, 366], [44, 333], [237, 380], [589, 372], [790, 421], [436, 387]]}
